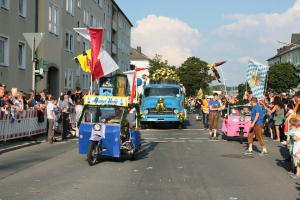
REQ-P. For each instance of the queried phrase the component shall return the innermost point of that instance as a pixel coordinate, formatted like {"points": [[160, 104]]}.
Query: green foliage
{"points": [[242, 89], [193, 74], [157, 63], [281, 78]]}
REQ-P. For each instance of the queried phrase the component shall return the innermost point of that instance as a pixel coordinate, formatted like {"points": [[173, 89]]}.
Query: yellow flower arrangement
{"points": [[142, 115], [165, 74], [160, 107], [181, 116]]}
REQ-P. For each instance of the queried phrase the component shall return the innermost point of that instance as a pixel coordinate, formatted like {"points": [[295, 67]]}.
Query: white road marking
{"points": [[213, 140], [178, 141], [202, 138], [161, 134], [195, 140], [169, 138], [184, 138], [161, 141], [150, 138], [147, 133], [192, 133]]}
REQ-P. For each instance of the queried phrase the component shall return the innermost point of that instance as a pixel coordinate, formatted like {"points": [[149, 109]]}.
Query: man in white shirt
{"points": [[51, 119]]}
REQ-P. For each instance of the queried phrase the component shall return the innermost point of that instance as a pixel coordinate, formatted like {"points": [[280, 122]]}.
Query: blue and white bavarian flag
{"points": [[256, 76]]}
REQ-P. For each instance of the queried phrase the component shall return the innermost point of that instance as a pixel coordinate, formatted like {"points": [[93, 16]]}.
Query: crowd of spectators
{"points": [[18, 101]]}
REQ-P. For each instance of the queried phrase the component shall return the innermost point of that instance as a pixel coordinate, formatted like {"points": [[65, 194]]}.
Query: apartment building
{"points": [[288, 53], [60, 44]]}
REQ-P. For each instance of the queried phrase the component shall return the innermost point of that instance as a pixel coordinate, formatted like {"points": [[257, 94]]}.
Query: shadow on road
{"points": [[285, 154], [123, 158]]}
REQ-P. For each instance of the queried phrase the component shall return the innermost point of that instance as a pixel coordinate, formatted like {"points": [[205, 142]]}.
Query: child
{"points": [[296, 154], [290, 142]]}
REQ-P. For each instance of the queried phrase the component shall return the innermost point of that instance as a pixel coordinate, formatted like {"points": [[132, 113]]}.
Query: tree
{"points": [[157, 63], [281, 78], [193, 74], [242, 89]]}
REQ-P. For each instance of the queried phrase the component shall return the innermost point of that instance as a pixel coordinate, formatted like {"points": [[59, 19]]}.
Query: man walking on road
{"points": [[214, 108], [256, 128]]}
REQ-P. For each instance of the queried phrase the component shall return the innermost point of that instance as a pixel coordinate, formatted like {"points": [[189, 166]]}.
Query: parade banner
{"points": [[256, 77], [102, 100]]}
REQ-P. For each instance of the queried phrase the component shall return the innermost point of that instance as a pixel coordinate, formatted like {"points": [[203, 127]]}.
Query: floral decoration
{"points": [[160, 106], [181, 116], [165, 74]]}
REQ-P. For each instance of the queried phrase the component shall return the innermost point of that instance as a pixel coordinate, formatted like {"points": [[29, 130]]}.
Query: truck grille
{"points": [[153, 111]]}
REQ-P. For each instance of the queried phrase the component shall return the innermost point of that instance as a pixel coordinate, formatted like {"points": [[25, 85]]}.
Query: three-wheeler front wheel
{"points": [[92, 154]]}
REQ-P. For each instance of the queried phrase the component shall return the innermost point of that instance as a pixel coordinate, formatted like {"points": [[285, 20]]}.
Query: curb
{"points": [[20, 146]]}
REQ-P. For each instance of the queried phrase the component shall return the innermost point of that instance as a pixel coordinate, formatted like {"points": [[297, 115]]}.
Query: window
{"points": [[70, 7], [92, 21], [86, 46], [4, 50], [85, 81], [78, 35], [53, 19], [5, 4], [22, 55], [100, 3], [109, 10], [119, 43], [86, 17], [77, 69], [69, 79], [79, 3], [108, 35], [22, 7], [98, 23], [69, 41]]}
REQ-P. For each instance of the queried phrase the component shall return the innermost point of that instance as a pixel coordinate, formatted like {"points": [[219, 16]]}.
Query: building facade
{"points": [[60, 44], [288, 53]]}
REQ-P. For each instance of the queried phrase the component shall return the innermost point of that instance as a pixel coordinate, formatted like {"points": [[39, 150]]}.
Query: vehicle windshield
{"points": [[240, 110], [96, 115], [152, 92]]}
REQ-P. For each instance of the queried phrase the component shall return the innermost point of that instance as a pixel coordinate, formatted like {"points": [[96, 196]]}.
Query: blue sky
{"points": [[212, 30]]}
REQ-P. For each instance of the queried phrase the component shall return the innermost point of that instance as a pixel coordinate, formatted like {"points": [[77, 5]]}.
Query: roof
{"points": [[136, 54], [295, 39], [119, 9]]}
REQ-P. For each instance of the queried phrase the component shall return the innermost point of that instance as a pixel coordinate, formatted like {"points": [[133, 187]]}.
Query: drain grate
{"points": [[237, 156]]}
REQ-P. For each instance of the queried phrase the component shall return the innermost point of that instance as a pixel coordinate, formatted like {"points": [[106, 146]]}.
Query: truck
{"points": [[162, 102]]}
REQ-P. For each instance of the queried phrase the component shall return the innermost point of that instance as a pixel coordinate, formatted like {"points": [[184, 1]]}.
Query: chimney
{"points": [[139, 49]]}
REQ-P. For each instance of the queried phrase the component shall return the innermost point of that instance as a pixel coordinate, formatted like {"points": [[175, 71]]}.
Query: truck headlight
{"points": [[146, 111], [175, 111], [242, 119], [96, 127]]}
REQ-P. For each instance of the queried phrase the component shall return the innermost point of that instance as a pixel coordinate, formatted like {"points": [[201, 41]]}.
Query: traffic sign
{"points": [[37, 36]]}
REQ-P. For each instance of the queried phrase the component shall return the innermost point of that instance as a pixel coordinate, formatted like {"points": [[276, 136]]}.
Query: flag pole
{"points": [[91, 87], [224, 80]]}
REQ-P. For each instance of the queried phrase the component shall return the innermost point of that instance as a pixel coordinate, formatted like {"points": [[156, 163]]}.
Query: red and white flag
{"points": [[101, 62]]}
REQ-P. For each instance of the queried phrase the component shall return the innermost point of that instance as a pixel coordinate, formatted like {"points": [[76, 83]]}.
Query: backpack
{"points": [[41, 117]]}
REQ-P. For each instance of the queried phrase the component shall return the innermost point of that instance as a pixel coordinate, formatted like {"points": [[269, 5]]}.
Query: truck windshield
{"points": [[151, 92]]}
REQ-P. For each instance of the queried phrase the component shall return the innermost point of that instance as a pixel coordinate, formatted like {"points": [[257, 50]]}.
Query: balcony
{"points": [[114, 26], [113, 49]]}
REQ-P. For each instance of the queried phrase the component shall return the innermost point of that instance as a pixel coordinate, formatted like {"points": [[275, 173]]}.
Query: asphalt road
{"points": [[178, 164]]}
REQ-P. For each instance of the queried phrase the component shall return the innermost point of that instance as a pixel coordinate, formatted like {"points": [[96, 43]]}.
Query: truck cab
{"points": [[162, 103]]}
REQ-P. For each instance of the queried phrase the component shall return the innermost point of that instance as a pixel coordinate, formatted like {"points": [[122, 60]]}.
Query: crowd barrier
{"points": [[15, 125]]}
